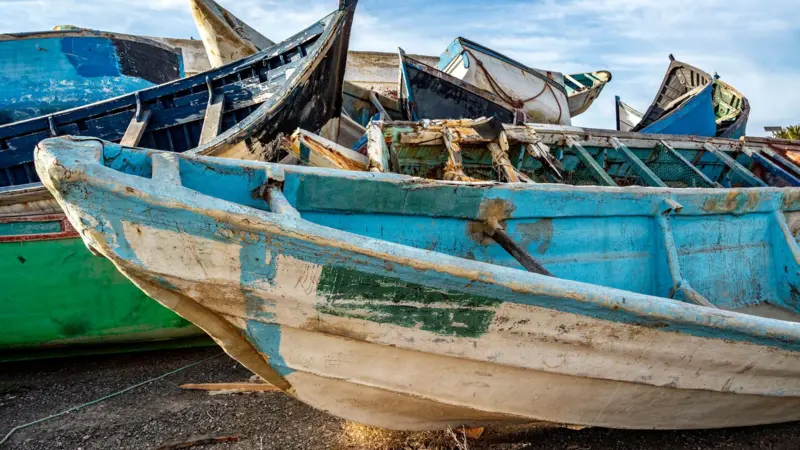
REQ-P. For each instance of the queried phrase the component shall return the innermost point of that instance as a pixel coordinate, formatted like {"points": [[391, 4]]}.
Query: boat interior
{"points": [[732, 249], [170, 116]]}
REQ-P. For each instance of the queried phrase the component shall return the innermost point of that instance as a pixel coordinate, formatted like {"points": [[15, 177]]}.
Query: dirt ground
{"points": [[160, 412]]}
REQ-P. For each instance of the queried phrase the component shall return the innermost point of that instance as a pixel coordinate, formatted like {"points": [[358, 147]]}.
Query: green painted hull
{"points": [[57, 295]]}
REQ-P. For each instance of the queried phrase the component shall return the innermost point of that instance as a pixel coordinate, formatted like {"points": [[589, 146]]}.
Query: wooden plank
{"points": [[637, 164], [739, 169], [135, 131], [381, 110], [166, 168], [213, 119], [454, 169], [689, 165], [787, 165], [278, 203], [243, 387], [598, 173]]}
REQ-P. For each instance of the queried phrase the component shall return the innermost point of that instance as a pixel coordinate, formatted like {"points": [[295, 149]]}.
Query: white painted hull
{"points": [[540, 101], [532, 364]]}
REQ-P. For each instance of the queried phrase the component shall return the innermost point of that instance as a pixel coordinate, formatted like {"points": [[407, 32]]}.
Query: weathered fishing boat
{"points": [[45, 72], [638, 315], [225, 37], [474, 150], [59, 299], [426, 92], [690, 101], [539, 94], [237, 110], [583, 89]]}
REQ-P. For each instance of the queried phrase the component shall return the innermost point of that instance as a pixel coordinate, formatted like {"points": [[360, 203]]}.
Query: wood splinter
{"points": [[240, 387], [201, 440]]}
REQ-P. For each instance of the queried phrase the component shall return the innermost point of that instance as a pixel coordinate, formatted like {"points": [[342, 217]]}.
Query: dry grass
{"points": [[362, 437]]}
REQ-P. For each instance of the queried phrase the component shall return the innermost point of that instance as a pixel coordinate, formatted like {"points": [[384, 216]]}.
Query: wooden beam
{"points": [[454, 169], [377, 152], [213, 119], [531, 264], [381, 110], [136, 127], [277, 202], [242, 387], [500, 158], [600, 175], [734, 166], [637, 164], [666, 147], [166, 168]]}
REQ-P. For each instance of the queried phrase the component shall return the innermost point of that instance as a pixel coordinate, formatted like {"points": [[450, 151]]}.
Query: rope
{"points": [[75, 408], [519, 104]]}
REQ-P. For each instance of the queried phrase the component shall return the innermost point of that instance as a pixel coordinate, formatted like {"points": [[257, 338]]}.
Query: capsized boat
{"points": [[485, 150], [238, 110], [45, 72], [583, 89], [690, 101], [598, 306], [539, 94], [58, 299]]}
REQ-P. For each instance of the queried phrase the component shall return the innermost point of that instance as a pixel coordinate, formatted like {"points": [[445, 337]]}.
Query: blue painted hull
{"points": [[383, 298], [49, 72], [694, 117]]}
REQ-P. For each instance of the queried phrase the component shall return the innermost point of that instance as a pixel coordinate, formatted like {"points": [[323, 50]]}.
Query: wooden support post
{"points": [[377, 152], [277, 201], [454, 169], [738, 169], [637, 164], [135, 130], [494, 231], [213, 119], [166, 168], [667, 148], [500, 158], [598, 173]]}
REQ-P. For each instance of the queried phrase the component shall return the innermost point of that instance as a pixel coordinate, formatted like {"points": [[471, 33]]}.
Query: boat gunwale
{"points": [[87, 33], [494, 54], [125, 101], [573, 296]]}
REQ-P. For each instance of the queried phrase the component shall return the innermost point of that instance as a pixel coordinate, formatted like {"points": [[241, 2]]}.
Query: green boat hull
{"points": [[59, 299]]}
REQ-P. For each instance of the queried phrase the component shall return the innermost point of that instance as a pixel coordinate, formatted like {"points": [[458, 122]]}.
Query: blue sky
{"points": [[752, 45]]}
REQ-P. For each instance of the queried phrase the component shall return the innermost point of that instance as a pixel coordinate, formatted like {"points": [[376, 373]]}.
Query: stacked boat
{"points": [[444, 250]]}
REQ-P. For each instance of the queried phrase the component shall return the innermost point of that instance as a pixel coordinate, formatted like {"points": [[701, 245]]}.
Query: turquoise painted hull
{"points": [[389, 300], [43, 73]]}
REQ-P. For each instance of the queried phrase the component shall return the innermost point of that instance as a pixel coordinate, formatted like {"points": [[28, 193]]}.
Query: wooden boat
{"points": [[226, 38], [484, 150], [237, 110], [426, 92], [539, 94], [311, 279], [46, 72], [627, 116], [59, 299], [690, 101], [583, 89]]}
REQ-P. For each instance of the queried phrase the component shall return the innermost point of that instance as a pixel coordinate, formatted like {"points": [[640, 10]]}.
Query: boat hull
{"points": [[48, 72], [331, 309], [59, 298], [694, 117], [583, 89], [540, 94]]}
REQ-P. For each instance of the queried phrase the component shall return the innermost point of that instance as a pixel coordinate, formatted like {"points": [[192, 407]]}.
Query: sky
{"points": [[751, 44]]}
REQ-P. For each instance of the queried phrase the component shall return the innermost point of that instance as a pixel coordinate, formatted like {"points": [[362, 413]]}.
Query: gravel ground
{"points": [[160, 412]]}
